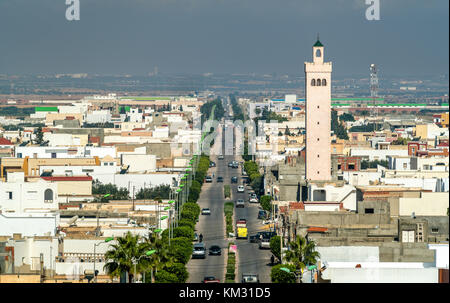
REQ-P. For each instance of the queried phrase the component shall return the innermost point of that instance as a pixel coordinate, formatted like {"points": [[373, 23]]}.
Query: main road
{"points": [[250, 258]]}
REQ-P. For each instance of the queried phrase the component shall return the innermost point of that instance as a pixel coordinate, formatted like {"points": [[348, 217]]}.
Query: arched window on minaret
{"points": [[318, 53], [313, 82], [318, 82], [324, 82]]}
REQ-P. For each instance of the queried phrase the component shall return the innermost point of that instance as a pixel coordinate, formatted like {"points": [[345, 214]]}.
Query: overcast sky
{"points": [[222, 36]]}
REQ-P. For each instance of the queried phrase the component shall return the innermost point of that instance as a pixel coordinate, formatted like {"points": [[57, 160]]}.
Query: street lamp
{"points": [[135, 261], [95, 246]]}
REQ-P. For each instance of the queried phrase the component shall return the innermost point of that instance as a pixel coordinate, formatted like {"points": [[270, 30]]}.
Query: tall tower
{"points": [[318, 115]]}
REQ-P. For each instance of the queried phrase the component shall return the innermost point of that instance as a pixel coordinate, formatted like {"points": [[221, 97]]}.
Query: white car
{"points": [[240, 189], [253, 198], [206, 211], [240, 203]]}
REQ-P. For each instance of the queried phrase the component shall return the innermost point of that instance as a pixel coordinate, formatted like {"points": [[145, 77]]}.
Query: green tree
{"points": [[302, 253], [119, 257], [265, 202], [183, 231], [346, 117], [181, 249], [278, 275], [400, 141], [39, 135], [275, 246]]}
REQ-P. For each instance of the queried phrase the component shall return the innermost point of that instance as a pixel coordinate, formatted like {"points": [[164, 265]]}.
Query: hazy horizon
{"points": [[223, 37]]}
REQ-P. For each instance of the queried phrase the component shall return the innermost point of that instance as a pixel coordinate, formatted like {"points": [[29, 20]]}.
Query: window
{"points": [[318, 53], [105, 163], [318, 156], [317, 106], [48, 196], [313, 82], [351, 166], [111, 163], [368, 211], [10, 195], [19, 155], [318, 122], [324, 82], [53, 155], [339, 166], [405, 165], [435, 230], [318, 82]]}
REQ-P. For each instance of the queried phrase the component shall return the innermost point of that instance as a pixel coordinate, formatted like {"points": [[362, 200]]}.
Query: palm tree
{"points": [[161, 258], [302, 253], [119, 257]]}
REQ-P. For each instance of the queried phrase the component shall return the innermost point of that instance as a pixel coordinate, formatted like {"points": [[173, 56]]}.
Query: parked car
{"points": [[215, 250], [195, 237], [234, 179], [208, 179], [246, 180], [221, 157], [264, 243], [240, 189], [250, 278], [199, 251], [210, 279], [240, 203], [206, 211], [230, 164], [235, 164], [219, 179], [262, 214], [253, 198]]}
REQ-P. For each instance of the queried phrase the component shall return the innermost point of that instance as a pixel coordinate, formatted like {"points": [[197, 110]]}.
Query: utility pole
{"points": [[133, 196]]}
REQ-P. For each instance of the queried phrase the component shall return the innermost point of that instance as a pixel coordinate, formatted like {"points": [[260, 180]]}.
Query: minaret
{"points": [[318, 115]]}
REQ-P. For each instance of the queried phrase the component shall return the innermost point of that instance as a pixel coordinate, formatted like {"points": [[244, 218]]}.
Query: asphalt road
{"points": [[212, 227], [250, 258]]}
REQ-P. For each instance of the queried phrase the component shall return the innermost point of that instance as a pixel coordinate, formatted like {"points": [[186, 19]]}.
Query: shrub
{"points": [[163, 276], [179, 270], [280, 276], [275, 246], [227, 191], [181, 249], [183, 231], [187, 222]]}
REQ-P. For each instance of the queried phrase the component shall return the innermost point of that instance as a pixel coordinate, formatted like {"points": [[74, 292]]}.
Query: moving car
{"points": [[219, 179], [215, 250], [221, 157], [253, 198], [199, 251], [210, 279], [206, 211], [208, 179], [235, 164], [255, 238], [230, 164], [240, 189], [242, 232], [240, 203], [250, 278], [212, 164], [234, 179]]}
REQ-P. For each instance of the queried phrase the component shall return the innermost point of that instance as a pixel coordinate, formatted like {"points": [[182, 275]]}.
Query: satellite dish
{"points": [[73, 220], [413, 215]]}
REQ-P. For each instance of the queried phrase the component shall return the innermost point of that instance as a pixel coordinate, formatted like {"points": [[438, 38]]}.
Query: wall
{"points": [[28, 224], [430, 204], [139, 163], [381, 275]]}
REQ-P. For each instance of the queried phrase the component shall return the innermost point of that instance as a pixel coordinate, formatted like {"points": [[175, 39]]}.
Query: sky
{"points": [[223, 36]]}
